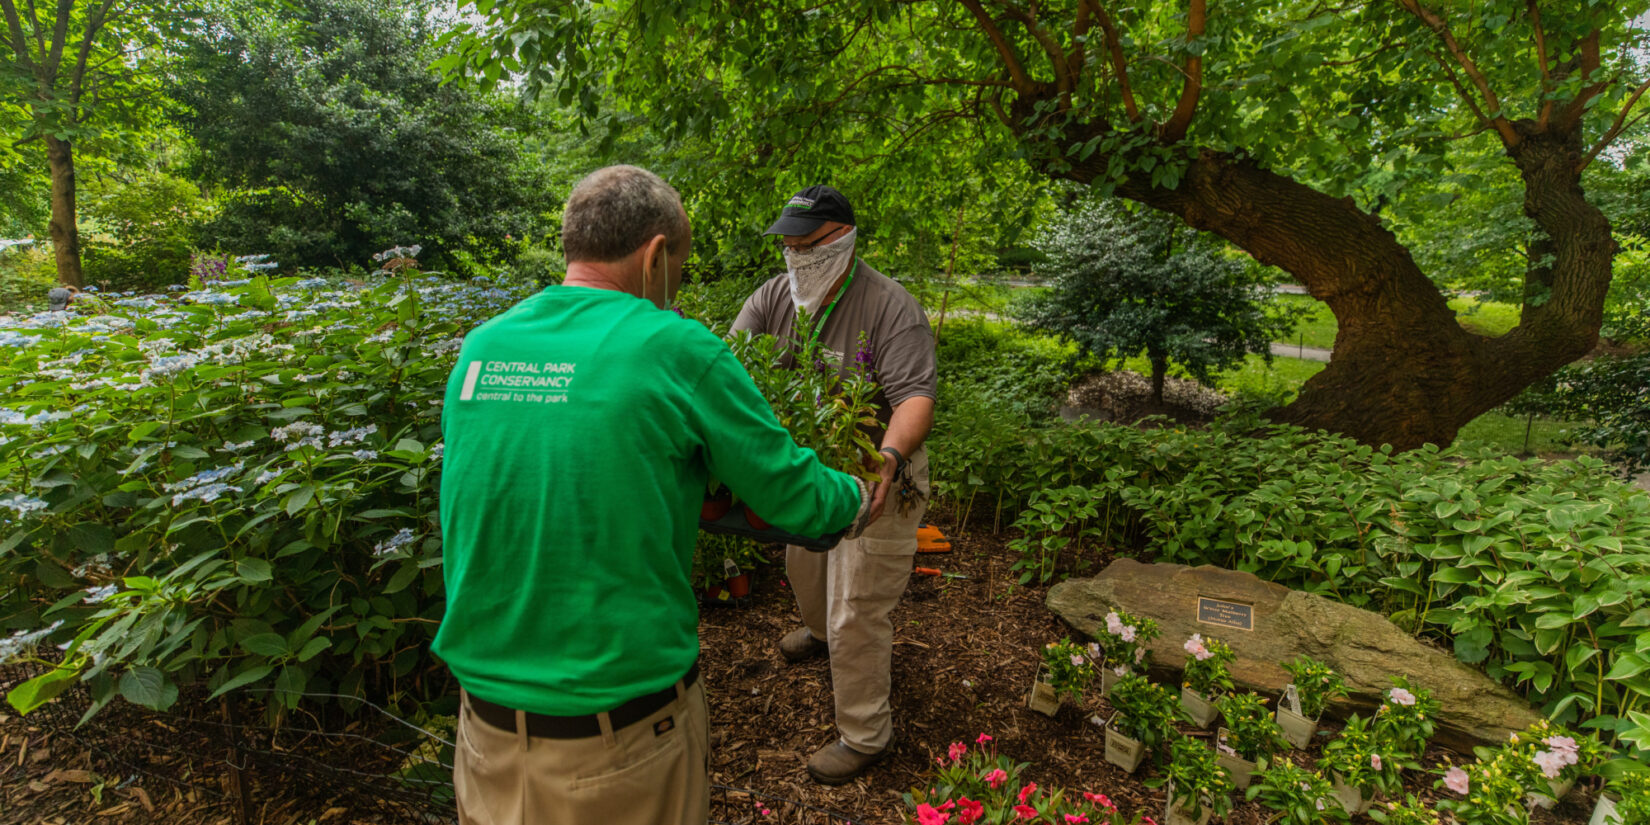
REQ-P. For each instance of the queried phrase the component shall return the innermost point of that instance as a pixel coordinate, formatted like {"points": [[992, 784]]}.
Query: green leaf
{"points": [[35, 692], [245, 677], [313, 648], [254, 570], [266, 644], [1627, 665], [148, 687]]}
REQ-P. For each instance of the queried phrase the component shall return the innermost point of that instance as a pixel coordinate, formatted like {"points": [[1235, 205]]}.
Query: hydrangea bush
{"points": [[230, 486]]}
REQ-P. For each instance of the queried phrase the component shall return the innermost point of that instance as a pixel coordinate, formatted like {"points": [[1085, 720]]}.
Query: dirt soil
{"points": [[965, 652]]}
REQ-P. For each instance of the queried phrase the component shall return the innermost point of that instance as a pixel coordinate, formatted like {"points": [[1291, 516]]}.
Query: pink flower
{"points": [[1564, 746], [957, 751], [1114, 625], [1027, 791], [1094, 650], [968, 810], [996, 778], [1194, 643], [949, 804], [1101, 800], [767, 812], [927, 815], [1025, 812], [1121, 670], [1456, 780], [1400, 696], [1148, 820], [1375, 761], [1128, 633], [1550, 762], [1076, 819], [1076, 660], [984, 738]]}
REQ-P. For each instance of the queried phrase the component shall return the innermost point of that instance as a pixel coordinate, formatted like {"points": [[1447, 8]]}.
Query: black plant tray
{"points": [[733, 523]]}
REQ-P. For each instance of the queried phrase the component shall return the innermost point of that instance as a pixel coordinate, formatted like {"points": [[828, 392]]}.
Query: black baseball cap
{"points": [[811, 208]]}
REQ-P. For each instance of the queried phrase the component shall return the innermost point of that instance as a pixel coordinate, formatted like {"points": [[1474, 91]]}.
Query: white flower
{"points": [[98, 594], [203, 477], [235, 447], [22, 504], [1128, 633], [342, 438], [1120, 670], [1114, 625], [365, 455], [25, 640], [1076, 660], [206, 493], [402, 538], [1400, 696], [437, 450]]}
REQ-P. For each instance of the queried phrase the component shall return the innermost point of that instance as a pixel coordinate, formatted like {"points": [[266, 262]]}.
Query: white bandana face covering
{"points": [[814, 271]]}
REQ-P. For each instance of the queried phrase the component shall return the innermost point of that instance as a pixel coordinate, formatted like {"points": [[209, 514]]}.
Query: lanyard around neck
{"points": [[819, 326]]}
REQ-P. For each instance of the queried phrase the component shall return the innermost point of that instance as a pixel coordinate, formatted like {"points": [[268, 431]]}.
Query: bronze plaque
{"points": [[1225, 614]]}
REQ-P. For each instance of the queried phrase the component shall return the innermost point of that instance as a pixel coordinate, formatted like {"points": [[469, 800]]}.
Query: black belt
{"points": [[581, 727]]}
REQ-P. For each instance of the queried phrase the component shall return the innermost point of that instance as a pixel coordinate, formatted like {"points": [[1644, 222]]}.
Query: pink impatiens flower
{"points": [[969, 811], [984, 738], [1399, 696], [1076, 819], [1027, 791], [1194, 646], [1100, 799], [1025, 812], [1128, 633], [1550, 762], [1076, 660], [1456, 780], [1114, 625], [957, 751], [996, 778], [1563, 744], [927, 815], [1375, 761]]}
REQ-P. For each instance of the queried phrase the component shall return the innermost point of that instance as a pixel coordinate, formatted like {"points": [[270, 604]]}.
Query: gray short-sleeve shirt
{"points": [[900, 341]]}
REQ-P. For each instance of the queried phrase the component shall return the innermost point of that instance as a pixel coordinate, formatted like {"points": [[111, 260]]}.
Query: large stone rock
{"points": [[1363, 646]]}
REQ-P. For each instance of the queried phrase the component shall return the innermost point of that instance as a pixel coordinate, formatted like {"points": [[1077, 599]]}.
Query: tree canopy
{"points": [[1292, 129]]}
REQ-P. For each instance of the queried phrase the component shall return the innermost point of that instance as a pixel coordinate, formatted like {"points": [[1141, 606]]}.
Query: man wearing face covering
{"points": [[580, 427], [846, 595]]}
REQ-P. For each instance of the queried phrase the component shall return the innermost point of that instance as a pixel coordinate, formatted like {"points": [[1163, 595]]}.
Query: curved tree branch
{"points": [[1016, 70], [1174, 129], [1119, 65], [1051, 47], [1570, 118], [1616, 128], [1503, 126], [1541, 61]]}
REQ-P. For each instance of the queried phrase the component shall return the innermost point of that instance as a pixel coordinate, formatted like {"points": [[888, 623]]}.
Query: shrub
{"points": [[236, 486], [26, 275], [1069, 669], [979, 785], [148, 227], [1207, 662], [1252, 732], [1146, 711], [1315, 683]]}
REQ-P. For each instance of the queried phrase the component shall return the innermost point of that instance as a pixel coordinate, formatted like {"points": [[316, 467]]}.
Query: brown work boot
{"points": [[800, 644], [837, 764]]}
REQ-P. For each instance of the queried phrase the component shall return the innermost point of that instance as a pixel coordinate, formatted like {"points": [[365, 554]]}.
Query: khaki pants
{"points": [[631, 775], [846, 596]]}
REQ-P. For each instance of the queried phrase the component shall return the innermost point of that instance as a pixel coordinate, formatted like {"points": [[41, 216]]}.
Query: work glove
{"points": [[862, 519]]}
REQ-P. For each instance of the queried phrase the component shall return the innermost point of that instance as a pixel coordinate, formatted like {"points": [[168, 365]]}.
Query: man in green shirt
{"points": [[580, 428]]}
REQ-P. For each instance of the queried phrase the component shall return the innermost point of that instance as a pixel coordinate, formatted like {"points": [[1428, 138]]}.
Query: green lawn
{"points": [[1316, 326], [1506, 433]]}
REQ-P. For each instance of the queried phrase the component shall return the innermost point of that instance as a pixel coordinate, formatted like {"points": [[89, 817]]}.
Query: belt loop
{"points": [[522, 739], [606, 721], [681, 689]]}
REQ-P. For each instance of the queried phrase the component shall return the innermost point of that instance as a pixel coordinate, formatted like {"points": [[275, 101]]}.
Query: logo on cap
{"points": [[805, 203]]}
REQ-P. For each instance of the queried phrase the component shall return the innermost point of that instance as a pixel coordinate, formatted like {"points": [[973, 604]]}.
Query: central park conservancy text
{"points": [[534, 367], [560, 382]]}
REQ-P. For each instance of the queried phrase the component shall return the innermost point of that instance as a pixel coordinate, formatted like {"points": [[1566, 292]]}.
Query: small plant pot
{"points": [[739, 586], [1042, 697], [716, 506], [755, 520], [1107, 679], [1298, 729], [716, 593], [1242, 770], [1123, 751], [1200, 709], [1350, 798], [1604, 813], [1174, 814], [1559, 788]]}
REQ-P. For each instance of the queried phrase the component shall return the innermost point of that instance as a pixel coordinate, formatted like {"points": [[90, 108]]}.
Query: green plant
{"points": [[1359, 757], [1406, 719], [1301, 796], [979, 785], [233, 487], [1196, 779], [1490, 791], [1069, 669], [1252, 733], [1631, 786], [1411, 811], [1207, 661], [1316, 684], [1146, 711], [1126, 642], [1562, 755], [1045, 524]]}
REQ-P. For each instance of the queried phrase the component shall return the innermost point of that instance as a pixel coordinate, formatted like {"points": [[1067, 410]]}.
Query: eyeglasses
{"points": [[804, 247]]}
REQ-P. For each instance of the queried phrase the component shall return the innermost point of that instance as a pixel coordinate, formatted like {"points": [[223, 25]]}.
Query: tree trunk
{"points": [[1160, 369], [64, 231], [1404, 372]]}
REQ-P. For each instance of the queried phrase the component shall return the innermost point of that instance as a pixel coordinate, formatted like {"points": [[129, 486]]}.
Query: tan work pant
{"points": [[846, 596], [631, 776]]}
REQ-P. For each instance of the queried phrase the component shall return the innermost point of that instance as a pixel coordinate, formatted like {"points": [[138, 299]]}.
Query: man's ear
{"points": [[656, 266]]}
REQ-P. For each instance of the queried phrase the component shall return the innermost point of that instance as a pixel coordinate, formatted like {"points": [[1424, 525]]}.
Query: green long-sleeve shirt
{"points": [[581, 427]]}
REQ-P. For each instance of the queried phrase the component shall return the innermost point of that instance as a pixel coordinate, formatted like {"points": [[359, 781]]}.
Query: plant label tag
{"points": [[729, 568], [1225, 614], [1292, 699]]}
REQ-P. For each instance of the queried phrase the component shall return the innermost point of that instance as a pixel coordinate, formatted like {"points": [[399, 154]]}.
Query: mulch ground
{"points": [[965, 651]]}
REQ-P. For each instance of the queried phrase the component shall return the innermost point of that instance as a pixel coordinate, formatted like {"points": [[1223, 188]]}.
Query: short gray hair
{"points": [[616, 210]]}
